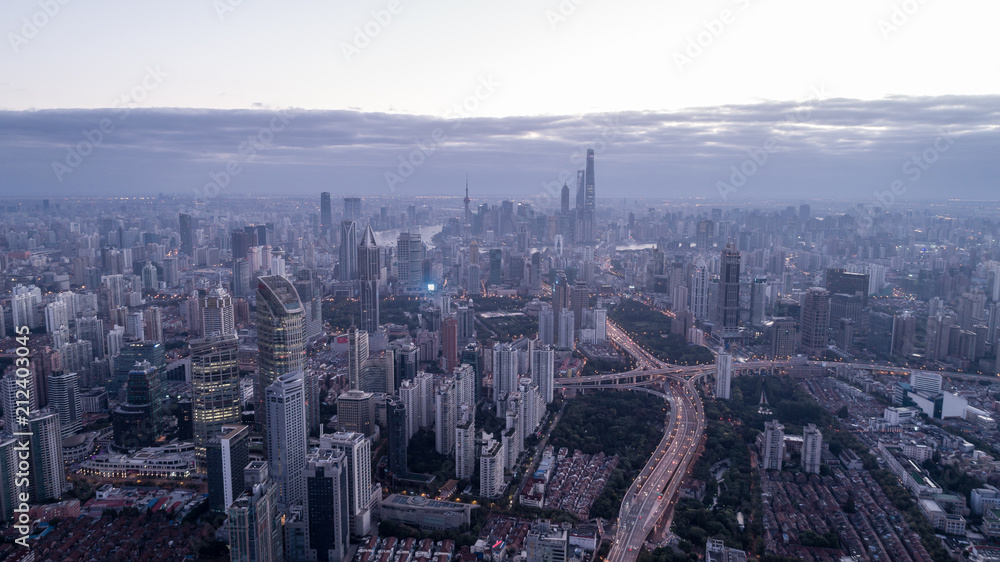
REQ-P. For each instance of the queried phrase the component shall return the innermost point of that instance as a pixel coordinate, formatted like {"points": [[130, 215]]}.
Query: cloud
{"points": [[826, 148]]}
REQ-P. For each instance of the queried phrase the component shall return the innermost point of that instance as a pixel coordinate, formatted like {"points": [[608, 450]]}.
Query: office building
{"points": [[325, 213], [449, 342], [369, 272], [254, 519], [699, 290], [356, 412], [357, 459], [546, 324], [227, 455], [839, 280], [348, 264], [728, 314], [926, 381], [547, 543], [567, 335], [286, 437], [281, 337], [217, 313], [812, 449], [216, 400], [326, 508], [409, 259], [187, 233], [352, 208], [144, 393]]}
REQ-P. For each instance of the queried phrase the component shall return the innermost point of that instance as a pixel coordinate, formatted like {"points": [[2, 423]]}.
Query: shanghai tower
{"points": [[588, 199]]}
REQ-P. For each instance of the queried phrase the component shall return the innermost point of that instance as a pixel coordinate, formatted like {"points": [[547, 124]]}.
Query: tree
{"points": [[842, 413]]}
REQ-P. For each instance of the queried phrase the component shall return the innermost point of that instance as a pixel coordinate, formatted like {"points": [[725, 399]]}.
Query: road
{"points": [[652, 491]]}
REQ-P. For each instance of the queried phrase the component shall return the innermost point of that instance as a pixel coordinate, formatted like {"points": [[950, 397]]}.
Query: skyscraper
{"points": [[357, 453], [757, 301], [699, 289], [723, 375], [215, 389], [348, 265], [228, 454], [357, 353], [504, 370], [352, 208], [369, 271], [589, 200], [398, 440], [325, 213], [254, 519], [144, 392], [543, 371], [187, 233], [467, 201], [286, 437], [281, 336], [445, 417], [449, 342], [217, 313], [356, 412], [64, 398], [327, 517], [465, 443], [48, 473], [409, 258], [729, 291], [815, 320]]}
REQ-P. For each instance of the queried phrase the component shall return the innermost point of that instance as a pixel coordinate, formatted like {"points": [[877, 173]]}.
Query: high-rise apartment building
{"points": [[723, 376], [815, 321], [774, 445], [64, 398], [812, 449]]}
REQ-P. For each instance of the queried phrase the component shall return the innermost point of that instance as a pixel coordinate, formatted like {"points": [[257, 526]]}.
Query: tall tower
{"points": [[564, 200], [48, 473], [468, 213], [729, 291], [187, 233], [357, 452], [325, 213], [327, 518], [286, 437], [281, 336], [369, 270], [589, 200], [348, 250], [215, 389]]}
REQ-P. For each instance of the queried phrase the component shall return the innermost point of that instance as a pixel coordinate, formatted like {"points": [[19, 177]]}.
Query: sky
{"points": [[673, 95]]}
